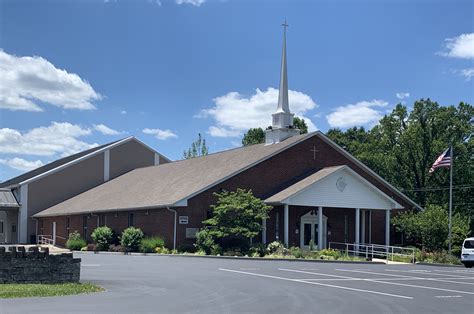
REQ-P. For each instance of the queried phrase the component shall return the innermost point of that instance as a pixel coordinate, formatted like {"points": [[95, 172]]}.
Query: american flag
{"points": [[444, 160]]}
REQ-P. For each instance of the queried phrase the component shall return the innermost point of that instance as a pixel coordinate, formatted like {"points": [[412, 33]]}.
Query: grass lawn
{"points": [[45, 290]]}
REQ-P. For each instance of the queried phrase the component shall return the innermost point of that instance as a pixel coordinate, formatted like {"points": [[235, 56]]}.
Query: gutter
{"points": [[174, 229]]}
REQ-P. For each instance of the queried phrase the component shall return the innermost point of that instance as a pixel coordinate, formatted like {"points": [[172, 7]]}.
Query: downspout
{"points": [[174, 231]]}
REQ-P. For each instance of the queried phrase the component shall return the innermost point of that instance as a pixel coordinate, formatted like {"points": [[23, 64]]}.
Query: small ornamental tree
{"points": [[103, 237], [236, 218]]}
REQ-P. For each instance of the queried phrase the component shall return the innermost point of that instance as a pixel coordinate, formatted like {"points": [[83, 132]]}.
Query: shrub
{"points": [[298, 252], [257, 250], [331, 253], [75, 243], [205, 242], [274, 247], [131, 239], [103, 237], [235, 252], [116, 248], [148, 245], [186, 248], [161, 250]]}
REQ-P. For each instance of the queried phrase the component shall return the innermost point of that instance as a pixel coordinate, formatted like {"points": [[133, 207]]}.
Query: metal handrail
{"points": [[44, 240], [372, 250]]}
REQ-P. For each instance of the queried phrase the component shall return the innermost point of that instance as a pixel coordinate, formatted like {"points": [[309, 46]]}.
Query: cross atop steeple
{"points": [[285, 25]]}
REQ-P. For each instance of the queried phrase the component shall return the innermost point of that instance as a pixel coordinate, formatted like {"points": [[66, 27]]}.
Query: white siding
{"points": [[357, 193]]}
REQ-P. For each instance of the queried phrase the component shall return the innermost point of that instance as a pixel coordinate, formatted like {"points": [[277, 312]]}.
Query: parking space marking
{"points": [[448, 296], [405, 284], [455, 272], [91, 265], [318, 284], [439, 279], [429, 273], [313, 273]]}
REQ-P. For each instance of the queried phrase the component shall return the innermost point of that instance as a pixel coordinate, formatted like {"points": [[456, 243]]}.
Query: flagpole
{"points": [[450, 198]]}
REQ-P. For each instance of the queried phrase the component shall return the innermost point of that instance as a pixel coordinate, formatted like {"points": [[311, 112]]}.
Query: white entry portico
{"points": [[331, 188]]}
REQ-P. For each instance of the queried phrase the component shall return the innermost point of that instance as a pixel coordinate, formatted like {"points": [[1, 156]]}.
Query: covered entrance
{"points": [[9, 209], [329, 201], [309, 234]]}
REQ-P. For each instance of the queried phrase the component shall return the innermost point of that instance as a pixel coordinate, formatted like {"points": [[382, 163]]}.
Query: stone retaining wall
{"points": [[37, 266]]}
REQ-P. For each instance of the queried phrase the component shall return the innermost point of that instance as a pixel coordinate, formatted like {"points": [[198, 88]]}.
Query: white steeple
{"points": [[282, 119]]}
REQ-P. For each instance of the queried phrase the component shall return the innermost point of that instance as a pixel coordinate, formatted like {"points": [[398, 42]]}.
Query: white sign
{"points": [[191, 233], [183, 220]]}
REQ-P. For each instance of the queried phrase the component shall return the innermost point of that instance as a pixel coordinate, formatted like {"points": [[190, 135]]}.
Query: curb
{"points": [[237, 258], [437, 264]]}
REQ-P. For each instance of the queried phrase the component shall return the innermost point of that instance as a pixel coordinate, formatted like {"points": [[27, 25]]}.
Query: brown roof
{"points": [[302, 184], [7, 199], [168, 184]]}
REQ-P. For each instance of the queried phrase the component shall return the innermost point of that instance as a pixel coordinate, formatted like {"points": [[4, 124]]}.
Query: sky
{"points": [[75, 74]]}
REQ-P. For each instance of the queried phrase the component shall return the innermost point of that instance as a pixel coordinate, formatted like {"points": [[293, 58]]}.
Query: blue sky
{"points": [[78, 73]]}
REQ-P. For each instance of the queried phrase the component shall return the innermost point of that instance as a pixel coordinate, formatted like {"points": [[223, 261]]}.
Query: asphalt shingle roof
{"points": [[7, 199]]}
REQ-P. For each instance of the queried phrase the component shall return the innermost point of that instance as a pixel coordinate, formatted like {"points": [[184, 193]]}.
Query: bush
{"points": [[103, 237], [116, 248], [329, 253], [162, 250], [131, 239], [148, 245], [205, 242], [257, 250], [186, 248], [275, 246], [75, 243]]}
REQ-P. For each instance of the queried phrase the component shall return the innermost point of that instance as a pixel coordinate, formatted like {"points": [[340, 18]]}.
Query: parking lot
{"points": [[186, 284]]}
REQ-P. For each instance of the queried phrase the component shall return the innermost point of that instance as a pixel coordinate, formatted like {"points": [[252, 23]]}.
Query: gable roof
{"points": [[286, 195], [172, 184], [69, 160]]}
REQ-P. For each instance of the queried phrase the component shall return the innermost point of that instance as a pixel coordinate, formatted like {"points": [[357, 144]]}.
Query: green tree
{"points": [[253, 136], [198, 148], [300, 124], [428, 229], [404, 145], [236, 218], [257, 135]]}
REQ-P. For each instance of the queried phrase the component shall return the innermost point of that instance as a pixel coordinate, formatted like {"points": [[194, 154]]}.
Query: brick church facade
{"points": [[318, 191]]}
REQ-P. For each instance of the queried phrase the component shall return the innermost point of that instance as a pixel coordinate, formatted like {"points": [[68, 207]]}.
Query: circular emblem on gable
{"points": [[341, 184]]}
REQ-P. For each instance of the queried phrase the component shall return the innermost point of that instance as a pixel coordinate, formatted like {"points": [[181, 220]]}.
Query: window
{"points": [[1, 226], [84, 227], [103, 220], [13, 228], [130, 219]]}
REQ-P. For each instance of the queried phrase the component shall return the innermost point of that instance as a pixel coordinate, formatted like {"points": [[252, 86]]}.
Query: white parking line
{"points": [[91, 265], [455, 272], [429, 273], [318, 284], [404, 284]]}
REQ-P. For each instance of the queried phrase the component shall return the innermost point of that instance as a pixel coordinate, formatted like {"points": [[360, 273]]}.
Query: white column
{"points": [[54, 233], [286, 218], [264, 231], [387, 227], [362, 226], [357, 226], [22, 227], [321, 245], [157, 159]]}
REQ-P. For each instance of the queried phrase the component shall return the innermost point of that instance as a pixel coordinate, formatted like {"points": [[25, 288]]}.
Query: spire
{"points": [[283, 104]]}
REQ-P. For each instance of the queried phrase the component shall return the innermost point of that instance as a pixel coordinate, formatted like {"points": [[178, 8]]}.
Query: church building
{"points": [[318, 191]]}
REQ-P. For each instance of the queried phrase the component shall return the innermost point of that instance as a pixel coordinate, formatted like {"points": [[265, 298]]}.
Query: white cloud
{"points": [[102, 128], [402, 95], [160, 134], [467, 73], [461, 46], [234, 113], [25, 81], [123, 112], [21, 164], [57, 138], [193, 2], [362, 113]]}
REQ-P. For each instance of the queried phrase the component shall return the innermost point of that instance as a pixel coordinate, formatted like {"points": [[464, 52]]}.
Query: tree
{"points": [[198, 148], [257, 135], [404, 145], [428, 229], [236, 218], [253, 136], [300, 124]]}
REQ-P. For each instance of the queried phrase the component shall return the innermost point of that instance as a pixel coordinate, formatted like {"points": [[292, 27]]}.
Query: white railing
{"points": [[371, 251], [43, 239]]}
